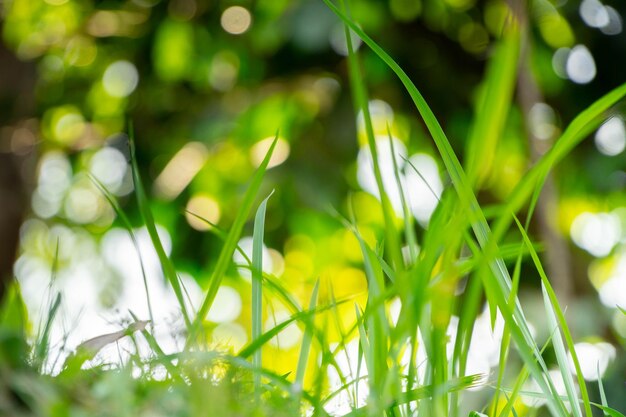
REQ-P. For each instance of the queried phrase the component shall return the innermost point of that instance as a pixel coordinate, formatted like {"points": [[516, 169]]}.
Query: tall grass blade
{"points": [[144, 208], [305, 349], [359, 89], [601, 389], [493, 108], [498, 286], [557, 319], [226, 253], [257, 284], [41, 349]]}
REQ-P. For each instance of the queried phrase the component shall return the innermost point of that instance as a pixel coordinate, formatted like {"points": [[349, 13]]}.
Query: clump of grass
{"points": [[404, 366]]}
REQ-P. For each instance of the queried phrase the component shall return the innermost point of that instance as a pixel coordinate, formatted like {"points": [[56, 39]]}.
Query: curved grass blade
{"points": [[257, 284], [361, 101], [226, 253], [556, 320], [498, 285], [303, 359], [144, 208]]}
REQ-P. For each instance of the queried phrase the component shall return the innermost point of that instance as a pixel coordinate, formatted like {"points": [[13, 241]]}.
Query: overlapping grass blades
{"points": [[498, 283], [228, 249], [148, 219]]}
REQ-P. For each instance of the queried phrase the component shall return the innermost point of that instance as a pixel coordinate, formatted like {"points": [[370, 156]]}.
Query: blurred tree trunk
{"points": [[557, 255], [17, 139]]}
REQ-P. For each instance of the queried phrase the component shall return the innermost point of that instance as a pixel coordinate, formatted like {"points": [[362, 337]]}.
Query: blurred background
{"points": [[208, 83]]}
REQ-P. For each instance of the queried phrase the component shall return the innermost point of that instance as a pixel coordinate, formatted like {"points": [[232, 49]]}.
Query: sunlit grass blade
{"points": [[498, 286], [257, 283], [226, 253], [577, 130], [146, 214], [266, 336], [41, 348], [557, 320], [493, 107], [561, 355], [307, 338], [608, 410], [361, 102], [601, 388]]}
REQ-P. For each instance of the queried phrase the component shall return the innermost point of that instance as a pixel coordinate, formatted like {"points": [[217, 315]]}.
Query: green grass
{"points": [[406, 374]]}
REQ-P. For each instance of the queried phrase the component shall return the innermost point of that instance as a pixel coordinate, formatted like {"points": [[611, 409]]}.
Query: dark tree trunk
{"points": [[17, 139]]}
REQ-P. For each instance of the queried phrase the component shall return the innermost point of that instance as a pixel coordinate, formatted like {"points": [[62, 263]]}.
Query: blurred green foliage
{"points": [[208, 83]]}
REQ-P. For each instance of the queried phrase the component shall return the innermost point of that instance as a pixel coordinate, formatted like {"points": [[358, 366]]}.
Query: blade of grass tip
{"points": [[361, 101], [608, 411], [555, 313], [493, 108], [42, 346], [303, 359], [226, 253], [257, 285], [146, 214], [129, 228], [500, 281], [601, 388]]}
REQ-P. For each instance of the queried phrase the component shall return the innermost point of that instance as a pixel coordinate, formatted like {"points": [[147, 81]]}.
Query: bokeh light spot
{"points": [[594, 358], [260, 149], [180, 170], [594, 13], [337, 38], [204, 206], [226, 306], [542, 121], [596, 233], [288, 337], [231, 335], [580, 65], [615, 25], [109, 166], [611, 137], [236, 20], [120, 79]]}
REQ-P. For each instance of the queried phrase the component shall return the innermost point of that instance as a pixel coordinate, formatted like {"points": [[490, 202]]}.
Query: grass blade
{"points": [[359, 89], [226, 253], [257, 284], [557, 320], [303, 359], [144, 208], [493, 108], [41, 349]]}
